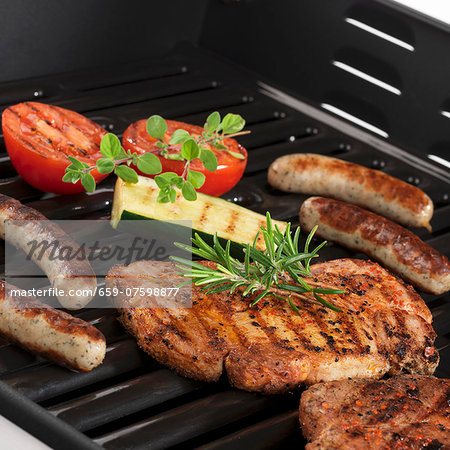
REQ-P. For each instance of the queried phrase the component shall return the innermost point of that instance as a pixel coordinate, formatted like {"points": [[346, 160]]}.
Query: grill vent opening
{"points": [[382, 23], [354, 119], [366, 76], [379, 33], [374, 70]]}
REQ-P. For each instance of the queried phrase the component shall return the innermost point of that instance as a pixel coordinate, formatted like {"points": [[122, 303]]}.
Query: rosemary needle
{"points": [[263, 272]]}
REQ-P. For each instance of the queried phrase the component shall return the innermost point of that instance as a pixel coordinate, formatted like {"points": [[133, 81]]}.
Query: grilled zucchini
{"points": [[207, 214]]}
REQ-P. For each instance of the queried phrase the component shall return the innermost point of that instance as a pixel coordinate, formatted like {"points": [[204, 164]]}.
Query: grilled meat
{"points": [[23, 227], [404, 412], [315, 174], [51, 333], [384, 327], [395, 247]]}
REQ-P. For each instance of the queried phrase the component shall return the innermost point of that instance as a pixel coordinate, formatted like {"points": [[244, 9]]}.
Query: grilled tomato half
{"points": [[39, 138], [229, 168]]}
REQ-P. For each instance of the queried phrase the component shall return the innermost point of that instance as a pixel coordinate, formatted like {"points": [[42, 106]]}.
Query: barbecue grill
{"points": [[306, 77]]}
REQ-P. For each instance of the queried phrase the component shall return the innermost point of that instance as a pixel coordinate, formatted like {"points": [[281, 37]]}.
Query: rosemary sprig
{"points": [[267, 272]]}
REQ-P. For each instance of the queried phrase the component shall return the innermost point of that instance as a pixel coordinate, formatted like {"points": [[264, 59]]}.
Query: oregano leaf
{"points": [[178, 182], [88, 182], [220, 146], [121, 155], [232, 123], [163, 196], [69, 177], [212, 123], [105, 165], [179, 137], [208, 159], [110, 146], [237, 155], [174, 156], [190, 150], [76, 163], [188, 191], [156, 127], [126, 173], [149, 164], [172, 195], [165, 179], [196, 178]]}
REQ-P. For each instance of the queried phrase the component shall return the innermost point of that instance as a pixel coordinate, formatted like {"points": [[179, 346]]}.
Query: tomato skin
{"points": [[38, 149], [229, 170]]}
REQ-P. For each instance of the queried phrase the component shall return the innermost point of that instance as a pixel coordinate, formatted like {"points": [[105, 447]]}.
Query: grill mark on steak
{"points": [[283, 334], [270, 348], [287, 324]]}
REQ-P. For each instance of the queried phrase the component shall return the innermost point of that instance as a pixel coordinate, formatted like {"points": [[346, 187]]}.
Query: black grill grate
{"points": [[130, 401]]}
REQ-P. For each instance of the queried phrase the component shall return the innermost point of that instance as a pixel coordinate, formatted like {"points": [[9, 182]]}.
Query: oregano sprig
{"points": [[266, 273], [115, 159], [182, 146]]}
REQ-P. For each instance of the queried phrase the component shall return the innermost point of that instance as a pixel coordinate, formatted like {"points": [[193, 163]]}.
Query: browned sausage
{"points": [[330, 177], [48, 332], [22, 225], [396, 247]]}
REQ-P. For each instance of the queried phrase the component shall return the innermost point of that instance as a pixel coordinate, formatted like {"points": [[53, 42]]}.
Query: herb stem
{"points": [[221, 136], [116, 162], [185, 170]]}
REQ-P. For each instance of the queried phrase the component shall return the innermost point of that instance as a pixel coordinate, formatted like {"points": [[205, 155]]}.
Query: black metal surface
{"points": [[58, 36], [130, 401], [302, 46]]}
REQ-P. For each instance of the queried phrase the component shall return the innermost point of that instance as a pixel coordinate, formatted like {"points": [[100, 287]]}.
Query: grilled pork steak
{"points": [[404, 412], [384, 327]]}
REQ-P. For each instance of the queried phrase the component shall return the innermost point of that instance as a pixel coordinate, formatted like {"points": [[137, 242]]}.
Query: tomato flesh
{"points": [[38, 139], [229, 170]]}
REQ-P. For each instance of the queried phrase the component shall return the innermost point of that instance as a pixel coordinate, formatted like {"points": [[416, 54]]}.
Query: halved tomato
{"points": [[229, 170], [40, 137]]}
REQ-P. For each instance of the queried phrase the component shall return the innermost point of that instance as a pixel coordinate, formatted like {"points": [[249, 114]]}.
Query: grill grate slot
{"points": [[191, 420], [128, 77], [272, 433], [262, 157], [254, 112], [138, 92], [112, 403], [184, 104], [45, 382], [273, 132]]}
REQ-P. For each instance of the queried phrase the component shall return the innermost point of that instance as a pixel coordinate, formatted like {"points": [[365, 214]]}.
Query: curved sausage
{"points": [[396, 247], [330, 177], [23, 225], [48, 332]]}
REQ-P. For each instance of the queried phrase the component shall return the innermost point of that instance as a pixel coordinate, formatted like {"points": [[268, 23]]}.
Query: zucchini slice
{"points": [[207, 214]]}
